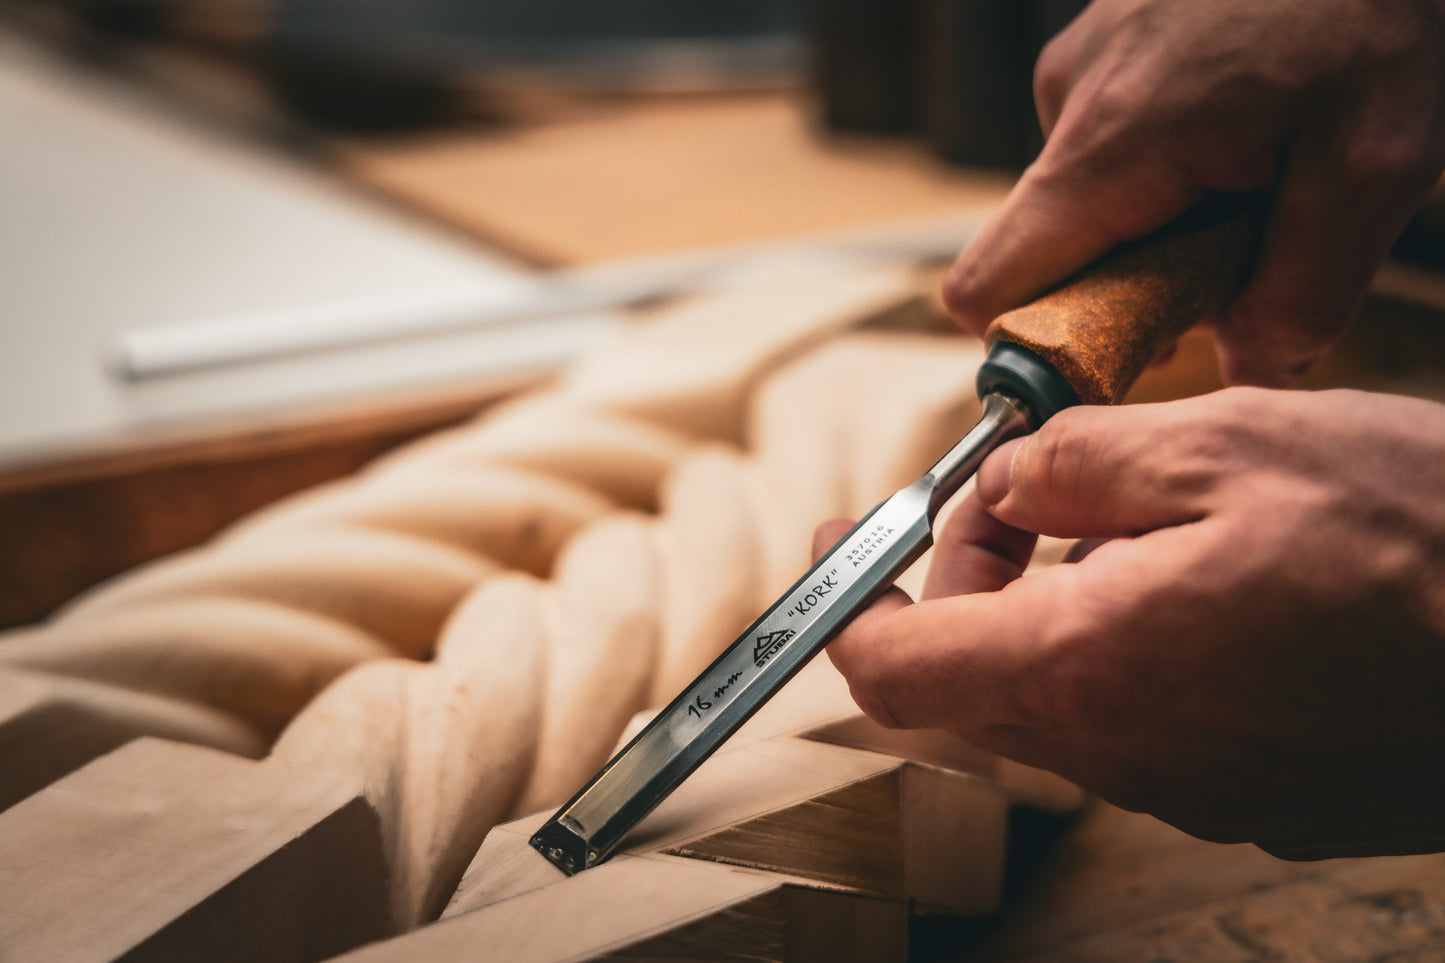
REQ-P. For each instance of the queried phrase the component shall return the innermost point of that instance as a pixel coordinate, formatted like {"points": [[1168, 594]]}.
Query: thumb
{"points": [[1101, 472]]}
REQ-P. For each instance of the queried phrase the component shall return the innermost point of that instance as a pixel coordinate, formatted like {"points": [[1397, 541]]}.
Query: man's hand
{"points": [[1257, 650], [1335, 106]]}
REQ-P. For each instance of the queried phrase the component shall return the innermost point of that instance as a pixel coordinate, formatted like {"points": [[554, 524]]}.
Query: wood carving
{"points": [[256, 623], [790, 801], [457, 636]]}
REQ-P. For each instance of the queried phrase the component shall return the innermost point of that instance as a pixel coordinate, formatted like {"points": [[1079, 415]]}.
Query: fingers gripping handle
{"points": [[1102, 327]]}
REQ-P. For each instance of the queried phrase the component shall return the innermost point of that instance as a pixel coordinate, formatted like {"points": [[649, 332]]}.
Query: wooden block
{"points": [[838, 818], [927, 836], [932, 838], [663, 908], [367, 808], [505, 866], [441, 750], [932, 747], [51, 726], [167, 851]]}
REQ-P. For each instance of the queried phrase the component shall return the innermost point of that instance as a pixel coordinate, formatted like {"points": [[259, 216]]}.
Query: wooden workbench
{"points": [[1118, 887]]}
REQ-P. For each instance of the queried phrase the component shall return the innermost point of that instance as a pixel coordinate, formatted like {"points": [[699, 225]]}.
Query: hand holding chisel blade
{"points": [[1084, 342]]}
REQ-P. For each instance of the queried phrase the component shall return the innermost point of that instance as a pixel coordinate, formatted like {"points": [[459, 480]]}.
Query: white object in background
{"points": [[155, 351], [115, 215]]}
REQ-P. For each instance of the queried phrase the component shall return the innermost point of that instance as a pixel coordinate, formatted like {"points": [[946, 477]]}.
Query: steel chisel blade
{"points": [[848, 578]]}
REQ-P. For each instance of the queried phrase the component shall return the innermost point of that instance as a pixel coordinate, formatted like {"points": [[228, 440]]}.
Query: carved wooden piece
{"points": [[258, 622], [531, 682], [666, 908], [162, 850], [839, 818], [807, 814]]}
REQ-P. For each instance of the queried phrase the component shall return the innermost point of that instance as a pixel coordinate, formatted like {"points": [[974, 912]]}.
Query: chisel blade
{"points": [[849, 577]]}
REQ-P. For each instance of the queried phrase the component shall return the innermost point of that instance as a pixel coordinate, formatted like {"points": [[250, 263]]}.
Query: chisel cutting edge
{"points": [[1085, 342]]}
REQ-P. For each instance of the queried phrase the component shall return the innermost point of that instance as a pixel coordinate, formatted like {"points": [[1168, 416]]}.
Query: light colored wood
{"points": [[621, 459], [51, 725], [395, 587], [600, 647], [924, 836], [933, 747], [504, 866], [260, 620], [161, 849], [517, 518], [657, 907], [392, 776], [711, 563], [259, 662], [927, 832], [696, 373], [622, 178], [529, 682], [438, 750], [866, 416], [833, 819]]}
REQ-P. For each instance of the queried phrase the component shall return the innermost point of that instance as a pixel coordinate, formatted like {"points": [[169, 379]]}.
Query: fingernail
{"points": [[995, 475]]}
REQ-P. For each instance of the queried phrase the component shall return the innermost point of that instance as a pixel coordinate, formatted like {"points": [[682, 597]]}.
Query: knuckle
{"points": [[1208, 438], [869, 683], [1389, 161], [1223, 424], [1283, 329], [1065, 688], [1070, 695], [963, 294], [1051, 78], [1045, 463]]}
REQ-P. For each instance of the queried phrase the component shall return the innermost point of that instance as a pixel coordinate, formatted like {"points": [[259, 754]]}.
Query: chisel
{"points": [[1083, 343]]}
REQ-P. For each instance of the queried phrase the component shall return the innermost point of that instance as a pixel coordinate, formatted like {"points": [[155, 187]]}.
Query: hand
{"points": [[1257, 653], [1335, 106]]}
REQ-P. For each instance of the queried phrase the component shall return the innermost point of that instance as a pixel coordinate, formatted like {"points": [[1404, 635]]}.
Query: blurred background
{"points": [[247, 245]]}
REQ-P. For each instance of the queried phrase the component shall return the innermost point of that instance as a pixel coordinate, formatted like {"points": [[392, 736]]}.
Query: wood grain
{"points": [[665, 908]]}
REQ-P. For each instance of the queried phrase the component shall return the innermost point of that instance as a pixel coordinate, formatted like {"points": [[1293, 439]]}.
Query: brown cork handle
{"points": [[1103, 326]]}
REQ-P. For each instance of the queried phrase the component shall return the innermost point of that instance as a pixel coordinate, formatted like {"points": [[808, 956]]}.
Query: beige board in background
{"points": [[651, 175]]}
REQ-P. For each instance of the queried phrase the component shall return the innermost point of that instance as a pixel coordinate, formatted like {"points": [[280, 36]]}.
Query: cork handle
{"points": [[1102, 327]]}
